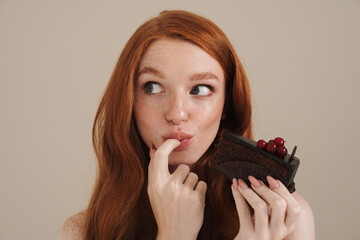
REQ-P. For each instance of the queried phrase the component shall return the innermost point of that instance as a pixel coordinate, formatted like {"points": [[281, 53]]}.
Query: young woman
{"points": [[176, 85]]}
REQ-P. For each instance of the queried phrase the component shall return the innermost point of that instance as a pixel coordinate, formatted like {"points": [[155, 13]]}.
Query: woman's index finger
{"points": [[160, 157]]}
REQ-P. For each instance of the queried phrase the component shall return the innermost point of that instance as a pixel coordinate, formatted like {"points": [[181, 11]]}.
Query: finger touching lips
{"points": [[161, 155]]}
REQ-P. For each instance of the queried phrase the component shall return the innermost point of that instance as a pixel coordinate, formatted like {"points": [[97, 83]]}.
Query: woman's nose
{"points": [[177, 110]]}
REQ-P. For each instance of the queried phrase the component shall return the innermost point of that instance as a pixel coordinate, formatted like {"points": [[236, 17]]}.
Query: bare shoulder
{"points": [[302, 201], [306, 212], [305, 227], [72, 227]]}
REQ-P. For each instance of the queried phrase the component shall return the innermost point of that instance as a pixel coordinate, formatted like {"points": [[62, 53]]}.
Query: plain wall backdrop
{"points": [[302, 59]]}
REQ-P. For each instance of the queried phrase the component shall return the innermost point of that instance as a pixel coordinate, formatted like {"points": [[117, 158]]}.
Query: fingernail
{"points": [[254, 181], [242, 184], [235, 184], [272, 182]]}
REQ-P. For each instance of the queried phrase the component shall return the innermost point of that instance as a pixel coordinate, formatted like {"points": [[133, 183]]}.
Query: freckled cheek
{"points": [[147, 120], [209, 116], [145, 111]]}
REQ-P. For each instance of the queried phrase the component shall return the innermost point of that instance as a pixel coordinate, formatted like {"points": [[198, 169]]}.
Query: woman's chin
{"points": [[187, 157], [174, 162]]}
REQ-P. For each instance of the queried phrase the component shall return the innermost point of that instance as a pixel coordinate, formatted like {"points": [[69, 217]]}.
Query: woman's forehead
{"points": [[174, 54]]}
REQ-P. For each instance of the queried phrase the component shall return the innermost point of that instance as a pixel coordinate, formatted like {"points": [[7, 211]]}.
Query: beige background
{"points": [[303, 62]]}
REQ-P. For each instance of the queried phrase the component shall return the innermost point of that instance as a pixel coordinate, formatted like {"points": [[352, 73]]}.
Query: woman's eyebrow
{"points": [[204, 76], [194, 77], [151, 71]]}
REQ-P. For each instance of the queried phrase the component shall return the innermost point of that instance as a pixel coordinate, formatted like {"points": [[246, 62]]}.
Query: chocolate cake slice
{"points": [[238, 157]]}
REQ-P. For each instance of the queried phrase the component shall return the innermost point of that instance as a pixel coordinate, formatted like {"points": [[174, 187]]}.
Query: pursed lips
{"points": [[177, 135], [183, 137]]}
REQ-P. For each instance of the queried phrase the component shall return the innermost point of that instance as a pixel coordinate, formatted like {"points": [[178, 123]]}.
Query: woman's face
{"points": [[180, 94]]}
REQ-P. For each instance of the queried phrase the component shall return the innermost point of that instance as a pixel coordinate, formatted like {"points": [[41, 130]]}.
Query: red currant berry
{"points": [[271, 147], [281, 151], [271, 141], [279, 141], [261, 144]]}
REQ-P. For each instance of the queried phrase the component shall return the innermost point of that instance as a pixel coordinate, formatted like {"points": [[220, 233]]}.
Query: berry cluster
{"points": [[275, 146]]}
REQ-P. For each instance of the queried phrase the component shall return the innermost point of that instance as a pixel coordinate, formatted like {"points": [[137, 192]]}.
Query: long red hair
{"points": [[119, 207]]}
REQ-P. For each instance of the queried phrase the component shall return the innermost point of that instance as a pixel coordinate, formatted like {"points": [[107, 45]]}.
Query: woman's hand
{"points": [[276, 211], [177, 199]]}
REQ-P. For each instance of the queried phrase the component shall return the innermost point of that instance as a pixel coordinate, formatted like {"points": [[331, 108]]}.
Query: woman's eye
{"points": [[152, 88], [201, 90]]}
